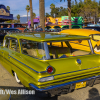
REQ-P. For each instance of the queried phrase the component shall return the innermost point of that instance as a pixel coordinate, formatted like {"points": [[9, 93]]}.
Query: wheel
{"points": [[17, 79]]}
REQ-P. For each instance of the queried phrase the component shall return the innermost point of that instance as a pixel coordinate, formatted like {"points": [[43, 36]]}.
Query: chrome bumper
{"points": [[67, 87]]}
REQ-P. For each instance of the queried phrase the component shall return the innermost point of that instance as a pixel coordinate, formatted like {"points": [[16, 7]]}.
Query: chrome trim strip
{"points": [[46, 50], [46, 70], [76, 71], [89, 41], [9, 97], [49, 65], [46, 77], [28, 66], [56, 86]]}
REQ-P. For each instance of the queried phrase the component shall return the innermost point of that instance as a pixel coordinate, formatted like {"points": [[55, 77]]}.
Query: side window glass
{"points": [[6, 42], [32, 48], [14, 45]]}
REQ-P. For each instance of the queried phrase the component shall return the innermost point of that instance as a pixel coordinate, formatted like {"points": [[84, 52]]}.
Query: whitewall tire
{"points": [[17, 79]]}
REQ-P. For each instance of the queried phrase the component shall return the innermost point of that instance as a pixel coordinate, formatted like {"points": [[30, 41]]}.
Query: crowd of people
{"points": [[3, 26], [37, 29]]}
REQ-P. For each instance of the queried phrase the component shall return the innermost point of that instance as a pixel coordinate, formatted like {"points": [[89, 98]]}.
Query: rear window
{"points": [[66, 49]]}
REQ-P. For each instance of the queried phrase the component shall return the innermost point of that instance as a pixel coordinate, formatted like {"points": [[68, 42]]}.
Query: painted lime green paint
{"points": [[41, 37], [30, 70]]}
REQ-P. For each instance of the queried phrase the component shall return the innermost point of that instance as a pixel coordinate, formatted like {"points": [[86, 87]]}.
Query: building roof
{"points": [[35, 20]]}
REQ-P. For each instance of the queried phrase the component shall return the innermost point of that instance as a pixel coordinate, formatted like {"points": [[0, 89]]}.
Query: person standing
{"points": [[31, 29], [8, 26], [39, 29], [1, 26]]}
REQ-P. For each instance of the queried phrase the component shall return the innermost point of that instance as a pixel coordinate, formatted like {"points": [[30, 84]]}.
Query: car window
{"points": [[68, 48], [32, 48], [95, 37], [14, 45]]}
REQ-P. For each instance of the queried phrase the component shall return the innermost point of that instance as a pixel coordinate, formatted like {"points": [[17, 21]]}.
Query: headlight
{"points": [[46, 79]]}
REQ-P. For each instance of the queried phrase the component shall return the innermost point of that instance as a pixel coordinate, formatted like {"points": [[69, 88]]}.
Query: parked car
{"points": [[9, 29], [4, 31], [53, 30], [39, 63], [97, 28], [95, 36]]}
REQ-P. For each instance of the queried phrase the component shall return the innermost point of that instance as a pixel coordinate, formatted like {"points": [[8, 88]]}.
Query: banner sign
{"points": [[3, 12]]}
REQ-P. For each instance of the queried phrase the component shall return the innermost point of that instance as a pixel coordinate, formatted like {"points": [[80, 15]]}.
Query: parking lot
{"points": [[8, 81]]}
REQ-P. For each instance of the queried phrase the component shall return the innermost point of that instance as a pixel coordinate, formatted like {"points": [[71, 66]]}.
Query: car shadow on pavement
{"points": [[93, 94]]}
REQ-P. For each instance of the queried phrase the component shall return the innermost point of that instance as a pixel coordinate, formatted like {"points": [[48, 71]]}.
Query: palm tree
{"points": [[34, 15], [8, 8], [52, 6], [42, 14], [31, 14], [69, 12], [27, 9], [18, 17]]}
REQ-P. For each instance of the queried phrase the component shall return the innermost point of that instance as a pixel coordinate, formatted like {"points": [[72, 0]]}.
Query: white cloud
{"points": [[25, 15]]}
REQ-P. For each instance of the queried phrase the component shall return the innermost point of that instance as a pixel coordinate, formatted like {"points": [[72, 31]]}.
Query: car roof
{"points": [[8, 29], [43, 36], [92, 27], [83, 32]]}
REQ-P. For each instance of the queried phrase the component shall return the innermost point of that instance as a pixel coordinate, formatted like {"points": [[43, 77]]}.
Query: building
{"points": [[5, 14], [36, 22]]}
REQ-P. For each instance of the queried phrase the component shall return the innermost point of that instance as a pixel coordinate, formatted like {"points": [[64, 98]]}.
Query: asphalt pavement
{"points": [[7, 81]]}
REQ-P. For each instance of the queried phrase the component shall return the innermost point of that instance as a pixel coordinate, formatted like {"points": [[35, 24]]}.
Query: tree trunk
{"points": [[69, 12], [42, 13], [27, 16], [31, 14]]}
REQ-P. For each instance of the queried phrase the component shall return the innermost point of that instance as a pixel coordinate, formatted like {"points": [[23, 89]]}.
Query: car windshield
{"points": [[95, 37], [66, 49], [33, 49]]}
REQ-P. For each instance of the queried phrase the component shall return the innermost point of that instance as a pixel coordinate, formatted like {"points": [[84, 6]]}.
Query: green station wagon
{"points": [[50, 63]]}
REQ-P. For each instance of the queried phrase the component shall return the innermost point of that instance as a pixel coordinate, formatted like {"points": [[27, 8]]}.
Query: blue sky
{"points": [[18, 6]]}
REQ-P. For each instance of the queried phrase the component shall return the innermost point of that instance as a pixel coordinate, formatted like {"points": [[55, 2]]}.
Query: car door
{"points": [[8, 52], [5, 54]]}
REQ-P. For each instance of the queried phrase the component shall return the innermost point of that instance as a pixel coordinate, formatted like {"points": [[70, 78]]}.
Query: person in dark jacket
{"points": [[1, 26], [39, 29]]}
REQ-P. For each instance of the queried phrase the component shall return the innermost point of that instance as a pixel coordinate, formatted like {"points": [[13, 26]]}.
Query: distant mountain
{"points": [[22, 19]]}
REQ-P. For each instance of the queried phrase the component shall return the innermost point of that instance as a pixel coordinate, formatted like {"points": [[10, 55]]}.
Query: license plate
{"points": [[80, 85]]}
